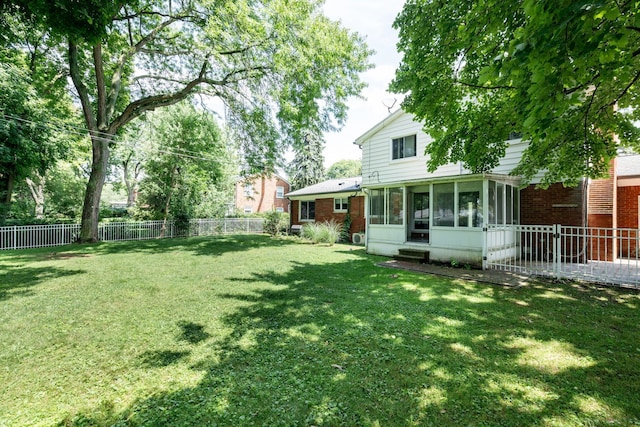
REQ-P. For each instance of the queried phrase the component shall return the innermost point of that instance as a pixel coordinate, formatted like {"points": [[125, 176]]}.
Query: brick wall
{"points": [[324, 212], [264, 197], [555, 205], [627, 204]]}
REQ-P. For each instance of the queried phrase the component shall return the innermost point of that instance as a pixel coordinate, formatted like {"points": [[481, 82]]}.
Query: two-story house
{"points": [[445, 211], [262, 194]]}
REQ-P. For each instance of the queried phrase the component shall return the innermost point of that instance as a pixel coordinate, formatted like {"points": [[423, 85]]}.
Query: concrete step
{"points": [[417, 256]]}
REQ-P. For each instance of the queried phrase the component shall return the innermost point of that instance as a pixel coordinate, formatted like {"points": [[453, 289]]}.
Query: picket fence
{"points": [[37, 236], [596, 254]]}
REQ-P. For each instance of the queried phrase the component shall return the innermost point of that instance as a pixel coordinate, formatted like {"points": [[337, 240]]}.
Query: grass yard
{"points": [[248, 330]]}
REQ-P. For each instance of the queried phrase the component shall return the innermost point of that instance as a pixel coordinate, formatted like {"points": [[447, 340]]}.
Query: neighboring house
{"points": [[330, 200], [445, 211], [262, 194]]}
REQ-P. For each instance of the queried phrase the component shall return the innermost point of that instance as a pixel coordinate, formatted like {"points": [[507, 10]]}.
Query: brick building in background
{"points": [[262, 194], [330, 200]]}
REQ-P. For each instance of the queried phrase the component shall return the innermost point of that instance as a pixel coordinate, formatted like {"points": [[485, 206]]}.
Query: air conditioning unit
{"points": [[358, 238]]}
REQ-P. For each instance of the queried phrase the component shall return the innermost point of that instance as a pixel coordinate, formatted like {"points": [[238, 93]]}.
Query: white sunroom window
{"points": [[386, 206]]}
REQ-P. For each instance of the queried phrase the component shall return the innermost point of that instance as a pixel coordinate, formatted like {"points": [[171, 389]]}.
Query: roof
{"points": [[338, 185], [628, 165], [380, 125]]}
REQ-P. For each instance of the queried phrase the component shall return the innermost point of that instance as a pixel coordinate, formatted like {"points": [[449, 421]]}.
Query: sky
{"points": [[372, 19]]}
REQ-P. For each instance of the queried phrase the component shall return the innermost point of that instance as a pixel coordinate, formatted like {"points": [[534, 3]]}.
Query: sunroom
{"points": [[445, 216]]}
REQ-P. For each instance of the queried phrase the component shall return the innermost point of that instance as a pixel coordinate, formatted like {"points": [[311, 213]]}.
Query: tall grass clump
{"points": [[322, 232]]}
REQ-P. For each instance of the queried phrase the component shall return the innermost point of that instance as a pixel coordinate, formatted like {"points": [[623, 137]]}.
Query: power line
{"points": [[111, 139]]}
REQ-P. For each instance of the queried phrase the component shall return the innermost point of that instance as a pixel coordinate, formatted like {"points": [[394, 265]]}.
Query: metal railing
{"points": [[36, 236], [603, 255]]}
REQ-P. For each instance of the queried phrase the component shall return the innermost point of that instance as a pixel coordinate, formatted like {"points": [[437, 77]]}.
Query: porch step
{"points": [[417, 256]]}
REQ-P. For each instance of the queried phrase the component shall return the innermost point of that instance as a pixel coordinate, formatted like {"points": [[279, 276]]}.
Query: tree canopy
{"points": [[564, 74], [345, 169], [280, 67]]}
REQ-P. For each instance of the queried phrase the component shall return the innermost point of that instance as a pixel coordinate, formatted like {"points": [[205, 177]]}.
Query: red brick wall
{"points": [[264, 194], [324, 212], [555, 205], [627, 203], [628, 206]]}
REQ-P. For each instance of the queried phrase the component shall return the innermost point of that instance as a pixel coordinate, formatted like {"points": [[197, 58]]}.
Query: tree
{"points": [[307, 166], [187, 160], [279, 66], [562, 73], [345, 169], [24, 142], [36, 111]]}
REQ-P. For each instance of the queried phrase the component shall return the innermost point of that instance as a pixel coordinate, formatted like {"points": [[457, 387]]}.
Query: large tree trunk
{"points": [[36, 189], [91, 207]]}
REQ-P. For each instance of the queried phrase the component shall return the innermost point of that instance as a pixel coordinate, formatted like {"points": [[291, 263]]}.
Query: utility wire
{"points": [[112, 139]]}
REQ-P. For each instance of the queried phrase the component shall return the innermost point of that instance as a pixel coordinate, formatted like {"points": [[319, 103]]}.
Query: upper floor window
{"points": [[279, 192], [340, 204], [248, 190], [403, 147]]}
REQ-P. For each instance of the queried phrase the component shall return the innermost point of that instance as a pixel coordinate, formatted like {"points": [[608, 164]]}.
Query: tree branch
{"points": [[476, 86], [83, 93]]}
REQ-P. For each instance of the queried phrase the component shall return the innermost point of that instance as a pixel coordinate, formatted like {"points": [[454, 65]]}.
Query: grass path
{"points": [[247, 330]]}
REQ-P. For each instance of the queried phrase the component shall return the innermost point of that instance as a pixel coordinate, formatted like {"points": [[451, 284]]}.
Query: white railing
{"points": [[36, 236], [603, 255]]}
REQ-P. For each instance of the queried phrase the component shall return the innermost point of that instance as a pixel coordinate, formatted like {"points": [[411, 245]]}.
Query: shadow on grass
{"points": [[205, 246], [162, 358], [16, 280], [351, 344]]}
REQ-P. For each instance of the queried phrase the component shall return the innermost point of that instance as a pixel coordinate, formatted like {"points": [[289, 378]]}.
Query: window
{"points": [[279, 192], [504, 204], [340, 204], [248, 209], [376, 207], [279, 209], [307, 210], [403, 147], [386, 206], [248, 190], [470, 204], [443, 205], [394, 206]]}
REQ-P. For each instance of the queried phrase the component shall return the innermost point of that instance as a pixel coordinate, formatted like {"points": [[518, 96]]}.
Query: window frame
{"points": [[307, 210], [342, 202], [399, 147], [279, 192]]}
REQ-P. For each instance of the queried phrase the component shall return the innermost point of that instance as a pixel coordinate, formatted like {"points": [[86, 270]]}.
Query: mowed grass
{"points": [[248, 330]]}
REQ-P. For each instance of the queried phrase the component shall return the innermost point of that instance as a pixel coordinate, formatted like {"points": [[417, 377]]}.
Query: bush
{"points": [[325, 232], [275, 223]]}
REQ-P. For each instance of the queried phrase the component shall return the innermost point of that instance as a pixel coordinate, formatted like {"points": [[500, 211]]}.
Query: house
{"points": [[330, 200], [261, 194], [444, 212]]}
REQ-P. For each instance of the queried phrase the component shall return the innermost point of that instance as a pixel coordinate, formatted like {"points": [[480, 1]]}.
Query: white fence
{"points": [[36, 236], [604, 255]]}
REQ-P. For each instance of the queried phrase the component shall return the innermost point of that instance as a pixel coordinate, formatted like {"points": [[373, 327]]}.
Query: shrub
{"points": [[325, 232], [275, 223]]}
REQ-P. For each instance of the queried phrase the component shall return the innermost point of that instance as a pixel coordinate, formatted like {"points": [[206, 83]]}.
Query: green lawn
{"points": [[248, 330]]}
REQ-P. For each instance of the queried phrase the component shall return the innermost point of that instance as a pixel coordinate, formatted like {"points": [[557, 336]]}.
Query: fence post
{"points": [[485, 233], [15, 237], [557, 250]]}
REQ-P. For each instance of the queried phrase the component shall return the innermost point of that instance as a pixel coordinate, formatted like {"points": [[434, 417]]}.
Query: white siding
{"points": [[379, 169]]}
